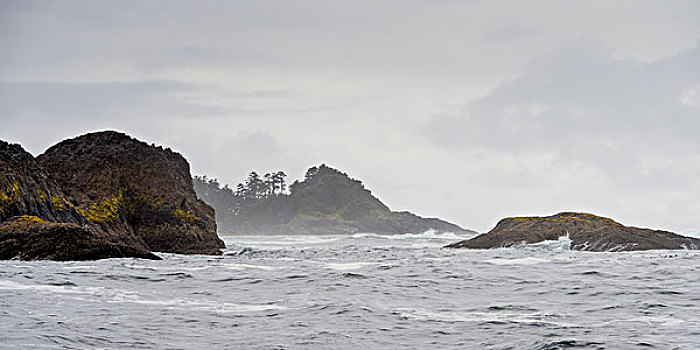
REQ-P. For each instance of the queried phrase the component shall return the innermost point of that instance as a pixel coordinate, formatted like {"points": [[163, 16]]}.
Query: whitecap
{"points": [[482, 317], [562, 243], [348, 266], [518, 261], [234, 267], [429, 234], [249, 266], [80, 267], [194, 304], [281, 240], [141, 267], [660, 320], [67, 289]]}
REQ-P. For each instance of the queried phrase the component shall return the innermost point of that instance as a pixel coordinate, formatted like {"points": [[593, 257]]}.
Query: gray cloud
{"points": [[87, 100], [583, 106], [604, 123], [52, 110], [583, 128]]}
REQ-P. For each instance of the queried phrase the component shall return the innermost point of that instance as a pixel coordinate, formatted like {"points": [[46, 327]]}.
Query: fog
{"points": [[465, 110]]}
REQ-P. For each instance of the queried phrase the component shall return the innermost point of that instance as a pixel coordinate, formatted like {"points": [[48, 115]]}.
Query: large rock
{"points": [[125, 185], [586, 231], [29, 238], [38, 220]]}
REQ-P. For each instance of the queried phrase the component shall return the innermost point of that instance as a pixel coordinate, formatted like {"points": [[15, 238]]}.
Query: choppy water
{"points": [[365, 291]]}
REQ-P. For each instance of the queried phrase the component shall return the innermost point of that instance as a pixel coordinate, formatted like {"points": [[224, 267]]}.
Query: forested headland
{"points": [[325, 201]]}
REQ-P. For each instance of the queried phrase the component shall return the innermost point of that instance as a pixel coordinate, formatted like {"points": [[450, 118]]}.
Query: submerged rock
{"points": [[586, 231], [39, 221], [126, 186]]}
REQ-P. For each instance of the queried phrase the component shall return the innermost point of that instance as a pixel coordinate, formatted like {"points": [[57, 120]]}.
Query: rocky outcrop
{"points": [[398, 222], [38, 220], [126, 186], [29, 238], [26, 188], [587, 232], [390, 223]]}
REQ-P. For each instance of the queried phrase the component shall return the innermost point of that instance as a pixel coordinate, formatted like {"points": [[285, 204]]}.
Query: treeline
{"points": [[253, 189], [261, 202]]}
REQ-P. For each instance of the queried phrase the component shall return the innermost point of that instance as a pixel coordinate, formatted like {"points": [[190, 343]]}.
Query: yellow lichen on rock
{"points": [[8, 197], [32, 219], [185, 215], [10, 194], [57, 204], [106, 210]]}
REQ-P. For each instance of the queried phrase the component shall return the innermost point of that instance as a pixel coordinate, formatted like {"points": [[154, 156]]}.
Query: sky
{"points": [[470, 111]]}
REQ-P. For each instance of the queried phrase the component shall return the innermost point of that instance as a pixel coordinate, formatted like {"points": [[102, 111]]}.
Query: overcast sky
{"points": [[465, 110]]}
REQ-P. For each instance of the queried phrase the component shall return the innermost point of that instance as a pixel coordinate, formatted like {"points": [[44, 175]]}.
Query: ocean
{"points": [[357, 292]]}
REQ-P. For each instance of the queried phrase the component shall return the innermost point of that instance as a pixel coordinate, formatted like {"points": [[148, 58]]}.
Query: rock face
{"points": [[327, 201], [127, 186], [26, 188], [26, 238], [38, 221], [587, 232]]}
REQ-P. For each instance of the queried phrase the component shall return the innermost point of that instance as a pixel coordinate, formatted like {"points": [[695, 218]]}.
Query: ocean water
{"points": [[360, 292]]}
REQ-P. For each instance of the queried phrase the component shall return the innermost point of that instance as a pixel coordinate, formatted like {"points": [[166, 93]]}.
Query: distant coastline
{"points": [[326, 201]]}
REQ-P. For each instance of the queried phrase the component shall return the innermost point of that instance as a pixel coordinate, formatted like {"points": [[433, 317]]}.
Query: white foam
{"points": [[193, 304], [661, 320], [249, 266], [12, 285], [282, 240], [519, 261], [529, 318], [80, 267], [562, 243], [429, 234], [349, 266], [140, 267], [234, 267]]}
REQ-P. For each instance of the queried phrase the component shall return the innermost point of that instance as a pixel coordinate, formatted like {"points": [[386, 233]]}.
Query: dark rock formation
{"points": [[124, 185], [390, 223], [327, 201], [587, 232], [397, 222], [26, 188], [27, 238], [38, 221]]}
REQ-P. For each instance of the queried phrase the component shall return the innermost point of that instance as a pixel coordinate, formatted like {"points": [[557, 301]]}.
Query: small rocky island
{"points": [[587, 232], [100, 195], [326, 201]]}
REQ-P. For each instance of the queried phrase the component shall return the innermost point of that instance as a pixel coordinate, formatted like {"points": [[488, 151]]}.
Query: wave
{"points": [[80, 267], [562, 243], [123, 296], [429, 234], [200, 305], [64, 288], [281, 240], [348, 266], [656, 320], [531, 319], [518, 261]]}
